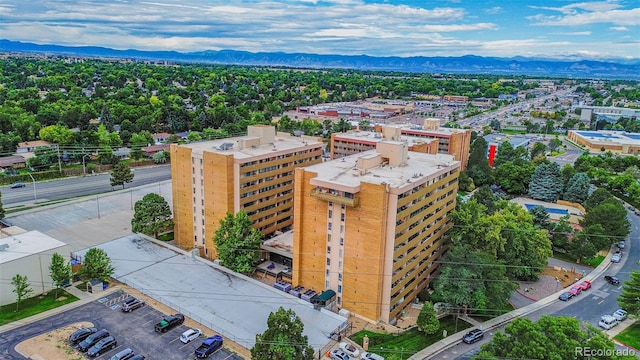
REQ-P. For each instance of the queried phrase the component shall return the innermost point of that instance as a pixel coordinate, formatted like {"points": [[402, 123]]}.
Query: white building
{"points": [[28, 254]]}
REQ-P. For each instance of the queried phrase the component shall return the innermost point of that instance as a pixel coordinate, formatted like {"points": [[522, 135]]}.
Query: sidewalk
{"points": [[454, 339]]}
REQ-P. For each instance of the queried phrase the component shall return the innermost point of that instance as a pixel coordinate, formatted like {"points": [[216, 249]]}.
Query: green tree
{"points": [[97, 265], [578, 188], [587, 242], [630, 297], [546, 183], [152, 215], [505, 153], [56, 134], [121, 174], [612, 216], [283, 339], [237, 242], [597, 197], [550, 338], [21, 288], [514, 176], [559, 232], [161, 157], [60, 271], [540, 216], [427, 320], [485, 197], [538, 149], [478, 166]]}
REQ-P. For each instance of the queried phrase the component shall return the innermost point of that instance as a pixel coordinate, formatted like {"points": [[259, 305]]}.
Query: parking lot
{"points": [[134, 330]]}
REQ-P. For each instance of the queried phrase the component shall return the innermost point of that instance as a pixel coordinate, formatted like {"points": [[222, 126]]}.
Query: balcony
{"points": [[339, 199]]}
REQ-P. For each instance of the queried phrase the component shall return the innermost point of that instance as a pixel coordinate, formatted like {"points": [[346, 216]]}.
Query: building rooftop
{"points": [[16, 246], [243, 147], [343, 171], [231, 304], [408, 128], [618, 137], [515, 141], [374, 137]]}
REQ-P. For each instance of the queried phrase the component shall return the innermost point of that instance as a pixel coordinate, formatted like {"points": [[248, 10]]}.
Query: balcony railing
{"points": [[326, 196]]}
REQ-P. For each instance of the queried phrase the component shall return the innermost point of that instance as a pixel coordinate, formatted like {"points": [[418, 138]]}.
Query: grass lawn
{"points": [[630, 336], [35, 305], [594, 262], [401, 346]]}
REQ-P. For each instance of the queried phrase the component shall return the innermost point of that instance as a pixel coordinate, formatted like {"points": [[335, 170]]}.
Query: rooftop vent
{"points": [[225, 146]]}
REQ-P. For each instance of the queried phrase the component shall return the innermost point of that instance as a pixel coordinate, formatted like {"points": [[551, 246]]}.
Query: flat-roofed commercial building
{"points": [[254, 173], [369, 226], [618, 142]]}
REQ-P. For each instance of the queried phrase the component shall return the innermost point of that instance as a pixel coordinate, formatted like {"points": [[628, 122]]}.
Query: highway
{"points": [[66, 188]]}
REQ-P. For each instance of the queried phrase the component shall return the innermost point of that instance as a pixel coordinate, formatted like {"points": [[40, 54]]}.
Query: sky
{"points": [[535, 28]]}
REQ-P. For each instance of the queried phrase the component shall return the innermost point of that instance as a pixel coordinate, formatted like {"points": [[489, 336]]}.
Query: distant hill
{"points": [[609, 69]]}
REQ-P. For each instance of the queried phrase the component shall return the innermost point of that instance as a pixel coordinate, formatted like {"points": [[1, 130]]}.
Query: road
{"points": [[588, 307], [78, 186]]}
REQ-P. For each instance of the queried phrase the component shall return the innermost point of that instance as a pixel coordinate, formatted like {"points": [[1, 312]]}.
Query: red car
{"points": [[585, 285], [576, 290]]}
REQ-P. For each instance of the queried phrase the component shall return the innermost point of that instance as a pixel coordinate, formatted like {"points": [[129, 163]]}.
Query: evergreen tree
{"points": [[630, 297], [427, 320], [478, 165], [505, 153], [283, 339], [578, 188], [152, 214], [121, 174], [546, 183]]}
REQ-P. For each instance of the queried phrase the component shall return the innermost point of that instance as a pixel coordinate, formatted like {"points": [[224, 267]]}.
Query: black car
{"points": [[81, 334], [92, 339], [565, 296], [102, 346], [473, 336], [612, 280]]}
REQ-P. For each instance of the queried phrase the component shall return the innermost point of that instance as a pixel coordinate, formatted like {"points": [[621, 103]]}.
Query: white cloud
{"points": [[574, 33], [586, 13], [619, 28], [494, 10]]}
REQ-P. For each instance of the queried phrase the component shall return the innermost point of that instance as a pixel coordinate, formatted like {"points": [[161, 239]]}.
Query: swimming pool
{"points": [[549, 210]]}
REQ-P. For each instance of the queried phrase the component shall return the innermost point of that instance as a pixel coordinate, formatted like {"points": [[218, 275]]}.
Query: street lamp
{"points": [[35, 193], [84, 167]]}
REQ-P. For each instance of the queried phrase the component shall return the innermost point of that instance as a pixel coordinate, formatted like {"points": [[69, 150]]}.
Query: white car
{"points": [[349, 349], [616, 258], [620, 314], [190, 335], [370, 356]]}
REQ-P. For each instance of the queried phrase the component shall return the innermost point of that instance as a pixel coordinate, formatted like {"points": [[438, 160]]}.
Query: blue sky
{"points": [[549, 28]]}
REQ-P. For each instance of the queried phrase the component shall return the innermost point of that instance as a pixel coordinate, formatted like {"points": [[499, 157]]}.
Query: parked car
{"points": [[169, 322], [102, 346], [565, 296], [132, 304], [137, 357], [620, 314], [575, 290], [615, 258], [337, 354], [585, 285], [92, 339], [125, 354], [473, 336], [607, 322], [209, 346], [190, 335], [18, 185], [81, 334], [612, 280], [621, 244], [370, 356], [350, 349]]}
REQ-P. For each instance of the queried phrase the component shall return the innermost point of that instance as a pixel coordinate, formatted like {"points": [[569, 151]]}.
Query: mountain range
{"points": [[470, 64]]}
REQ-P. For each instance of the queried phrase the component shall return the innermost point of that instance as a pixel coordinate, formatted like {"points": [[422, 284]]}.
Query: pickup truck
{"points": [[169, 322], [208, 346]]}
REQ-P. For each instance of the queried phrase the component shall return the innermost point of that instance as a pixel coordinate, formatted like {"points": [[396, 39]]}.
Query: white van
{"points": [[607, 322]]}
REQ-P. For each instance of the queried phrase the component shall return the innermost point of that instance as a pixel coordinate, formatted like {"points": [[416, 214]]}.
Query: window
{"points": [[342, 217], [328, 249], [341, 229], [341, 241], [330, 213], [326, 284], [339, 288], [328, 261], [328, 272], [339, 300], [329, 238], [329, 226], [340, 252], [339, 276]]}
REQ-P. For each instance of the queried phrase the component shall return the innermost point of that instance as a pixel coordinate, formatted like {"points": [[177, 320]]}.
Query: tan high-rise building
{"points": [[369, 226], [254, 173], [430, 139]]}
